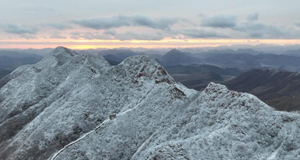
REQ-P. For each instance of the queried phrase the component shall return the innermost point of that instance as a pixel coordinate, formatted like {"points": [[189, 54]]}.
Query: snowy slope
{"points": [[218, 124], [71, 106], [52, 103]]}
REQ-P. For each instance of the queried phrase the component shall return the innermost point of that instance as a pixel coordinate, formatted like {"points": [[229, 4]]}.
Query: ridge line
{"points": [[97, 127]]}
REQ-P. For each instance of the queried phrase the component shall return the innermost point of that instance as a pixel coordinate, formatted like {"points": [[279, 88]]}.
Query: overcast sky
{"points": [[147, 23]]}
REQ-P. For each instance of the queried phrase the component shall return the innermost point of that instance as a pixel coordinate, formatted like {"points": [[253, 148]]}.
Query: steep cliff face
{"points": [[71, 106]]}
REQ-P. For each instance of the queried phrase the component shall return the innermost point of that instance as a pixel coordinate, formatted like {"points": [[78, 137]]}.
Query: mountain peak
{"points": [[143, 61], [63, 51], [138, 59], [144, 67], [213, 87], [176, 57], [60, 55], [174, 51]]}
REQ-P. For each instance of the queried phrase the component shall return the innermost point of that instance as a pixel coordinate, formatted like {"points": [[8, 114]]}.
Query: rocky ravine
{"points": [[71, 106]]}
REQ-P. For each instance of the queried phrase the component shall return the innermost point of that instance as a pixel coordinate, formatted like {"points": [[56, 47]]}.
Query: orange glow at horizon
{"points": [[164, 43]]}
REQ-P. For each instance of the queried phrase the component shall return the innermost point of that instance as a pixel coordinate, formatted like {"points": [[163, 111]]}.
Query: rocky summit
{"points": [[74, 106]]}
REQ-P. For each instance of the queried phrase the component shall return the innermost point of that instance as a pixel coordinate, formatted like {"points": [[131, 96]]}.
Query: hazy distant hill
{"points": [[10, 63], [116, 56], [13, 54], [30, 51], [286, 62], [247, 50], [176, 57], [198, 76], [112, 59], [279, 89], [245, 59], [229, 60], [231, 51], [10, 60], [120, 53], [192, 69], [3, 72], [292, 53]]}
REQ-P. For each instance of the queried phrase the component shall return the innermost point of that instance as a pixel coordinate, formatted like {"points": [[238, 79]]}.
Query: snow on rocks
{"points": [[218, 124], [55, 101], [71, 106]]}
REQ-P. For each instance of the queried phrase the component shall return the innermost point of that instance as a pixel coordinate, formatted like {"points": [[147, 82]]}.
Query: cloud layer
{"points": [[219, 21], [201, 33], [57, 35], [19, 29], [140, 36], [140, 27], [60, 26], [120, 21], [103, 23], [259, 30], [253, 17]]}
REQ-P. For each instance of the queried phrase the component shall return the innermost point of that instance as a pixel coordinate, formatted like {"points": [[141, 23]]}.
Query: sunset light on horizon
{"points": [[165, 43], [142, 24]]}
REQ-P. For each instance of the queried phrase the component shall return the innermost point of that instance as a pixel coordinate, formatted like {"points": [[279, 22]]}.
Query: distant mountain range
{"points": [[10, 60], [199, 76], [176, 57], [116, 56], [279, 89], [14, 54], [242, 59], [230, 60], [285, 62], [226, 58], [292, 53], [11, 63], [3, 72], [38, 52]]}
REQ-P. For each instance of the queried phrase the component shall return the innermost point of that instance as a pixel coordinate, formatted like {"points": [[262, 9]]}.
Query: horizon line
{"points": [[147, 44]]}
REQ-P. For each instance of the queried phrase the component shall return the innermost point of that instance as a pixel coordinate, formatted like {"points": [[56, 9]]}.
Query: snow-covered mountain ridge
{"points": [[71, 106]]}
